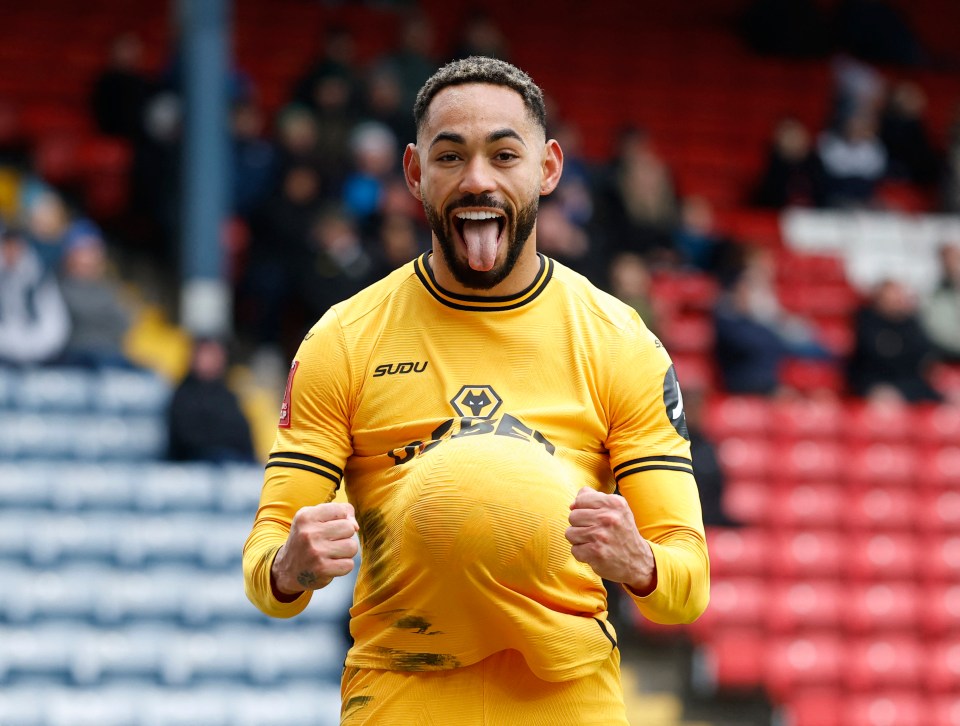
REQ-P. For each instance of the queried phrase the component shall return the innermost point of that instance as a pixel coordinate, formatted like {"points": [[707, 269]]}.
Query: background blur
{"points": [[185, 187]]}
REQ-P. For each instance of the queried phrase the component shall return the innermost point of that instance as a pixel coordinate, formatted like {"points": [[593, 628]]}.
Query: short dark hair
{"points": [[480, 69]]}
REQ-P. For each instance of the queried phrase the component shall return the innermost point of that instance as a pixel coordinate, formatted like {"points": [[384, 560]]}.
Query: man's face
{"points": [[480, 166]]}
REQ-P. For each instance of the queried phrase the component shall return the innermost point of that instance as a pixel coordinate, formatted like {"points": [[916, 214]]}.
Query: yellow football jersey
{"points": [[462, 428]]}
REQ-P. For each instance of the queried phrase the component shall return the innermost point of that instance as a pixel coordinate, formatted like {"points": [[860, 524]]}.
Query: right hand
{"points": [[320, 546]]}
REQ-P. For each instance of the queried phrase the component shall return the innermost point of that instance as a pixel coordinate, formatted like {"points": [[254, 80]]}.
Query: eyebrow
{"points": [[492, 137]]}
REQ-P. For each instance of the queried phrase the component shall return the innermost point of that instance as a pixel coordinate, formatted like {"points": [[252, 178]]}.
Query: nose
{"points": [[478, 177]]}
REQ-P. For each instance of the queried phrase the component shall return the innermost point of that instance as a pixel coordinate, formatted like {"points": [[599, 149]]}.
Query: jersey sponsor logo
{"points": [[673, 400], [396, 369], [456, 428], [285, 406], [476, 402], [475, 407]]}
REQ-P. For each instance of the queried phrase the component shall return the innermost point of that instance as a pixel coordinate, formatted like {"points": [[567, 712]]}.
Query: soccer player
{"points": [[481, 405]]}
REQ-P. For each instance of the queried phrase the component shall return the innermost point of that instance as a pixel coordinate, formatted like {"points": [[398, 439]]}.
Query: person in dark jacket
{"points": [[205, 421]]}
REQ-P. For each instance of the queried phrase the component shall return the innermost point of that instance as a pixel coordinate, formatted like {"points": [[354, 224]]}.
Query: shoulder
{"points": [[602, 308]]}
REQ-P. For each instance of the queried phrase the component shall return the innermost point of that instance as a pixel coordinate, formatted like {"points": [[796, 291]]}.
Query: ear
{"points": [[412, 170], [552, 167]]}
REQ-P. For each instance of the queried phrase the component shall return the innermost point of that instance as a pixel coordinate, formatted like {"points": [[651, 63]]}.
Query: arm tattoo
{"points": [[307, 579]]}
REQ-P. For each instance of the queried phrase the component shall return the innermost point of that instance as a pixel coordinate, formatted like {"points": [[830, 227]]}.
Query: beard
{"points": [[517, 234]]}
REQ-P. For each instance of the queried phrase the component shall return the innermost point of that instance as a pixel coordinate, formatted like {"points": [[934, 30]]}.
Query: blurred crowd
{"points": [[320, 208]]}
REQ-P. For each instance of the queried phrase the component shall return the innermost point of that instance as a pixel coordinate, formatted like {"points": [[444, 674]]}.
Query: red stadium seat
{"points": [[941, 558], [688, 333], [880, 421], [937, 424], [809, 460], [803, 662], [882, 463], [886, 606], [882, 557], [879, 508], [940, 610], [815, 707], [808, 554], [940, 511], [943, 711], [942, 671], [737, 552], [734, 659], [810, 605], [685, 291], [884, 662], [812, 376], [938, 466], [808, 418], [746, 457], [739, 416], [748, 500], [887, 708], [807, 505], [735, 602], [794, 267]]}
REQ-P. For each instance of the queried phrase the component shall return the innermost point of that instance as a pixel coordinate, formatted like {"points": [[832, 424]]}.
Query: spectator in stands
{"points": [[383, 103], [480, 35], [630, 282], [940, 312], [637, 202], [254, 159], [754, 334], [565, 241], [793, 174], [700, 245], [279, 250], [338, 61], [205, 421], [892, 354], [903, 131], [790, 28], [47, 225], [340, 266], [34, 323], [877, 32], [375, 163], [854, 161], [121, 91], [397, 240], [413, 60], [951, 173], [334, 116], [99, 318]]}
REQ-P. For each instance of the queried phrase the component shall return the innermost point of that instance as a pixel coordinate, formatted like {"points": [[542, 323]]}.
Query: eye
{"points": [[448, 156], [505, 156]]}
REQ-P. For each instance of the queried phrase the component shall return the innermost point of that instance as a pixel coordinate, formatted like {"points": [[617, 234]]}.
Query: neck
{"points": [[522, 275]]}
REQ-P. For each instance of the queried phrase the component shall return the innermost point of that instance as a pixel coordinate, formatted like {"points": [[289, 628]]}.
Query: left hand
{"points": [[604, 535]]}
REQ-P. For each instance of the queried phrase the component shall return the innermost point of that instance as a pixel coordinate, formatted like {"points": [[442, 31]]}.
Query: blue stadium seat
{"points": [[122, 391]]}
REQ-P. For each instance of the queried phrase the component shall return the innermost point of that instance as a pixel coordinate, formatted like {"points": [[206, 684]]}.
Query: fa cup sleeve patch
{"points": [[285, 406]]}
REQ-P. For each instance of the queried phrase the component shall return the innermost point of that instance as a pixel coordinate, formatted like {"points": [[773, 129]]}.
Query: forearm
{"points": [[259, 552], [666, 506]]}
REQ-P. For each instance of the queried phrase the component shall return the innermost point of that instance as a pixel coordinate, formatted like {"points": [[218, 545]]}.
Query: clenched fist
{"points": [[320, 546], [604, 535]]}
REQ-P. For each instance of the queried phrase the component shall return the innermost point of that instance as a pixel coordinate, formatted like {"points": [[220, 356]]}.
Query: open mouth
{"points": [[481, 232]]}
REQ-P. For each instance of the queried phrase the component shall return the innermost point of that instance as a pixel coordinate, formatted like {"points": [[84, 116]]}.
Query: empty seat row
{"points": [[825, 460], [86, 655], [81, 436], [46, 538], [121, 485], [830, 418], [930, 611], [790, 664], [833, 504], [73, 389], [138, 704], [106, 595], [831, 554]]}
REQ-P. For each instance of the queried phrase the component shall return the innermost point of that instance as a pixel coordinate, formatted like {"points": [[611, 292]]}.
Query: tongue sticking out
{"points": [[480, 237]]}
